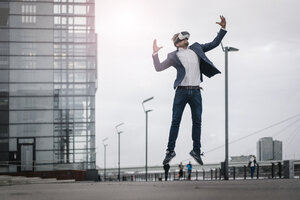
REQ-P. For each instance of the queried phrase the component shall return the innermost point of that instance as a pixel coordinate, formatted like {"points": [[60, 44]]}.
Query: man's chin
{"points": [[186, 45]]}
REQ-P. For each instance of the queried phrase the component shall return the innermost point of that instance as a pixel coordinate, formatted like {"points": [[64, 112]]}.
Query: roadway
{"points": [[200, 190]]}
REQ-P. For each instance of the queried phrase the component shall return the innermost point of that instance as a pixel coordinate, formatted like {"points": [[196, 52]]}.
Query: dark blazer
{"points": [[206, 66]]}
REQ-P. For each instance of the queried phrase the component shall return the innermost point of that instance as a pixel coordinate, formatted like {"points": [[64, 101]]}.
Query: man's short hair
{"points": [[175, 38]]}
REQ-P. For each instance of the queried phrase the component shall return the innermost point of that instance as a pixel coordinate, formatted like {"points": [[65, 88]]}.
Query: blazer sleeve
{"points": [[160, 66], [211, 45]]}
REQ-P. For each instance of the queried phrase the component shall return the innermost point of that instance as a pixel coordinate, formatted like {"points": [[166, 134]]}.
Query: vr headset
{"points": [[182, 35]]}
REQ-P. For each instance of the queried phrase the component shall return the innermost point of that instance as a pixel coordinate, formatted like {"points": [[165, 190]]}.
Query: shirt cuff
{"points": [[154, 54], [223, 29]]}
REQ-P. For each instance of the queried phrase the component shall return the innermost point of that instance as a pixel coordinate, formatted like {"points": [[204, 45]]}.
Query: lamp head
{"points": [[232, 49]]}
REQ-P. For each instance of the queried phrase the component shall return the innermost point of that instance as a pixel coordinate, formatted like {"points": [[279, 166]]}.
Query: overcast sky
{"points": [[263, 76]]}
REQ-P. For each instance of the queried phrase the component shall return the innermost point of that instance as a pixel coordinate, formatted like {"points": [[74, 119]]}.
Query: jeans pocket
{"points": [[180, 90]]}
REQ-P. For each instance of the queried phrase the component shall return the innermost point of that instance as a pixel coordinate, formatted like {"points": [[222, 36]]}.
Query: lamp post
{"points": [[226, 50], [119, 132], [105, 145], [146, 112]]}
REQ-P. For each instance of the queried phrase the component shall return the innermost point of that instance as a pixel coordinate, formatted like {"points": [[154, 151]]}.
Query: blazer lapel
{"points": [[192, 47], [175, 57]]}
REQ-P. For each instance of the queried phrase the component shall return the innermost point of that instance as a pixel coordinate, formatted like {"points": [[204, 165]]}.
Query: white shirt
{"points": [[190, 61], [252, 162]]}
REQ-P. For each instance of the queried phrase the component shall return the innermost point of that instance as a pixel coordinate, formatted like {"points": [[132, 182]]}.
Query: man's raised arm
{"points": [[157, 64], [211, 45]]}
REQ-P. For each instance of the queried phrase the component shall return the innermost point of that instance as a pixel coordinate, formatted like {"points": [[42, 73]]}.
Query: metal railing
{"points": [[273, 170]]}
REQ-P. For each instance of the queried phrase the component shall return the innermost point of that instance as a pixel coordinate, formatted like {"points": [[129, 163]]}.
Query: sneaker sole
{"points": [[196, 159], [169, 161]]}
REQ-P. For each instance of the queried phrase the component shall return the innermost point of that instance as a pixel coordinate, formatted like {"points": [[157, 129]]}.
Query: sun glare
{"points": [[125, 18]]}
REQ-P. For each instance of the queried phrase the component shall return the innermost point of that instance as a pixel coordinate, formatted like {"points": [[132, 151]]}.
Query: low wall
{"points": [[78, 175]]}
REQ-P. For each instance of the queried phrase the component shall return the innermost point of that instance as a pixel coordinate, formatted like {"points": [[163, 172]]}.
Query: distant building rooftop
{"points": [[241, 158]]}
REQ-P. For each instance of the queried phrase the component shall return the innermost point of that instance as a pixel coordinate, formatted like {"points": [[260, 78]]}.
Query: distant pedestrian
{"points": [[189, 169], [180, 166], [166, 168], [252, 164]]}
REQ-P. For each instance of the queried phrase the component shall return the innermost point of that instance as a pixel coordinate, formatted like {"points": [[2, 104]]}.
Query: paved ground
{"points": [[183, 190]]}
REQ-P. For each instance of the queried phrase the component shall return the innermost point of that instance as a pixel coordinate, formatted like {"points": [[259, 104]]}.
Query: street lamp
{"points": [[226, 50], [105, 145], [119, 132], [146, 112]]}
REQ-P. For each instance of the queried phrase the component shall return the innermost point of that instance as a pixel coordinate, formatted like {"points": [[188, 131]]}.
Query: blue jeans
{"points": [[194, 99], [252, 171]]}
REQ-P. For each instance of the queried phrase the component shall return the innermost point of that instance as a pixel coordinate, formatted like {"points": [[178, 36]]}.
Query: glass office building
{"points": [[48, 81]]}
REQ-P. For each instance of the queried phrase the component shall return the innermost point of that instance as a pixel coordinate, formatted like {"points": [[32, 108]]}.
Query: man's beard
{"points": [[186, 44]]}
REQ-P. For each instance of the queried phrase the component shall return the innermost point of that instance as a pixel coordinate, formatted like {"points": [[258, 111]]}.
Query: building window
{"points": [[28, 14]]}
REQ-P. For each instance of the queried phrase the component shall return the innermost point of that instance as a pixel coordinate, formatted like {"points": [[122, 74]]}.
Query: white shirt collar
{"points": [[182, 49]]}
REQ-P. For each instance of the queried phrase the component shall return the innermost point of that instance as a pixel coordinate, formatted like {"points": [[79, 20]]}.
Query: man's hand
{"points": [[222, 23], [155, 47]]}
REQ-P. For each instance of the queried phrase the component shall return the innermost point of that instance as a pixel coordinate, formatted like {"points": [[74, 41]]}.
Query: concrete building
{"points": [[48, 81], [267, 149], [241, 158], [277, 148]]}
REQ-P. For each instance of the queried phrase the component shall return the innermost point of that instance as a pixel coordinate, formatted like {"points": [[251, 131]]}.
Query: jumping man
{"points": [[191, 63]]}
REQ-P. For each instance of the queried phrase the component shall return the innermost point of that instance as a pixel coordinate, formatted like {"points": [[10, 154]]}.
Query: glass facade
{"points": [[48, 81]]}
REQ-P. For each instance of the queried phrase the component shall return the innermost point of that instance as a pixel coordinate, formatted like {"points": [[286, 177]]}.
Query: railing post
{"points": [[257, 172], [245, 172], [216, 173], [273, 165], [279, 169], [211, 174], [220, 174], [233, 173], [197, 175], [203, 174]]}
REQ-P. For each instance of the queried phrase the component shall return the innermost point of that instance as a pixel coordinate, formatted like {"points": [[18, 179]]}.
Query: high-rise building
{"points": [[267, 149], [48, 81], [277, 148]]}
